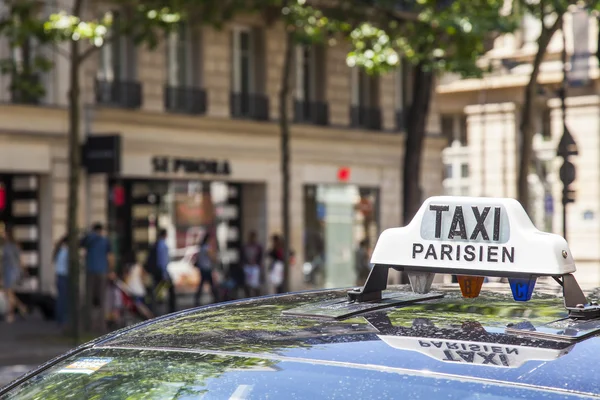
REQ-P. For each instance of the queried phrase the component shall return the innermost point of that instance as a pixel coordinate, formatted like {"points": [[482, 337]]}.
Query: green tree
{"points": [[444, 37], [145, 22], [24, 21]]}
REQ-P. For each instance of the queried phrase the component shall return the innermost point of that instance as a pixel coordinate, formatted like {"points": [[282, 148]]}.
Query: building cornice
{"points": [[36, 120], [504, 82]]}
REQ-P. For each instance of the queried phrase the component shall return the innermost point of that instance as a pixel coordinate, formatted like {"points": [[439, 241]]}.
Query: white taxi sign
{"points": [[478, 234]]}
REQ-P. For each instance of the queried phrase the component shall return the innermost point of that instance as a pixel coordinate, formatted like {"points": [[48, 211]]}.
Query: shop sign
{"points": [[102, 154], [190, 166]]}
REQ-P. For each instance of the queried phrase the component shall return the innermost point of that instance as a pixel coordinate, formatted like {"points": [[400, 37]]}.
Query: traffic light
{"points": [[568, 196]]}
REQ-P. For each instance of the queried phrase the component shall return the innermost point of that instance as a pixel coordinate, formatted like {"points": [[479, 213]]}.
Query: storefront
{"points": [[187, 209], [341, 223], [191, 175], [19, 205]]}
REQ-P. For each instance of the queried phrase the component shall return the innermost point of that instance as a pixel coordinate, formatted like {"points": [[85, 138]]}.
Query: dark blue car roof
{"points": [[260, 326], [448, 337]]}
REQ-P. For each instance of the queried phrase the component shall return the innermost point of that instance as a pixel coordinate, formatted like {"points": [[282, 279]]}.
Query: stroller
{"points": [[127, 310]]}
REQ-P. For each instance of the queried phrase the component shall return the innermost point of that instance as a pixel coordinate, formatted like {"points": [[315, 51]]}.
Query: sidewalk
{"points": [[28, 343], [25, 344]]}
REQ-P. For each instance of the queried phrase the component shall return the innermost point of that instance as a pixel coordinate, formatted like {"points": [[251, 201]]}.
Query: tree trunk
{"points": [[73, 201], [527, 123], [413, 146], [284, 125]]}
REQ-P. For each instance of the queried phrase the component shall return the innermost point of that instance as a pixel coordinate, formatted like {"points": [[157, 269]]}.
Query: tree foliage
{"points": [[442, 38]]}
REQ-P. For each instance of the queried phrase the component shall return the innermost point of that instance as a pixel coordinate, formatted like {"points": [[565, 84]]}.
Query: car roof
{"points": [[450, 336]]}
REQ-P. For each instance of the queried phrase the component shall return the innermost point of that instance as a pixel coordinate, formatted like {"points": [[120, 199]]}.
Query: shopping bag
{"points": [[276, 274]]}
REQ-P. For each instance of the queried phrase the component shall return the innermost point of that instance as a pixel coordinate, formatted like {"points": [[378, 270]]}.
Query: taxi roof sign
{"points": [[474, 236], [470, 237]]}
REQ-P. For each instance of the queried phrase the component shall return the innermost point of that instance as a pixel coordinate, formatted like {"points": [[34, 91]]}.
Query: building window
{"points": [[243, 80], [447, 122], [117, 58], [447, 171], [464, 170], [115, 81], [365, 112], [25, 80], [183, 92], [454, 127], [310, 85], [178, 57], [341, 225], [187, 210], [247, 98], [462, 132], [404, 93], [546, 124]]}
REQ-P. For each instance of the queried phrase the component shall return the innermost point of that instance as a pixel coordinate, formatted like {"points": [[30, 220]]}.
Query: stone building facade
{"points": [[194, 124]]}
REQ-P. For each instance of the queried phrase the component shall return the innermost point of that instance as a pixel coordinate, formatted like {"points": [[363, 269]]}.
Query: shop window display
{"points": [[187, 210], [341, 226]]}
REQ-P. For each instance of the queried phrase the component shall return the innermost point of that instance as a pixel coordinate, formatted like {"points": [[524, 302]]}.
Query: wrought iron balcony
{"points": [[124, 94], [250, 106], [313, 112], [26, 89], [365, 117], [187, 100]]}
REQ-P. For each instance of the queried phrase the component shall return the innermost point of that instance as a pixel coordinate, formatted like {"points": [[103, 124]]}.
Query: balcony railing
{"points": [[313, 112], [122, 94], [365, 117], [251, 106], [26, 89], [187, 100]]}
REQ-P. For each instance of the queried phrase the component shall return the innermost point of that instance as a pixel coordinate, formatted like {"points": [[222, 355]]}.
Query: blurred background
{"points": [[319, 123]]}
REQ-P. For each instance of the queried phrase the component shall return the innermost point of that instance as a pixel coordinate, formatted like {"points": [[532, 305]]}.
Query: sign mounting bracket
{"points": [[374, 286]]}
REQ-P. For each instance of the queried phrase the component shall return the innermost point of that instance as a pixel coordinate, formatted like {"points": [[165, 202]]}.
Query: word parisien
{"points": [[469, 252]]}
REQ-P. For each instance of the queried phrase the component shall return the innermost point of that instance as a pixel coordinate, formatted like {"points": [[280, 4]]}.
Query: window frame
{"points": [[237, 54], [179, 54]]}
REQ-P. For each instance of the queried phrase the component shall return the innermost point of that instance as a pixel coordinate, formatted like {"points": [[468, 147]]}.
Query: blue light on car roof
{"points": [[522, 289]]}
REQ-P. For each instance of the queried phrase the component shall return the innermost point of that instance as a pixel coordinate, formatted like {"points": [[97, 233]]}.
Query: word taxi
{"points": [[477, 234]]}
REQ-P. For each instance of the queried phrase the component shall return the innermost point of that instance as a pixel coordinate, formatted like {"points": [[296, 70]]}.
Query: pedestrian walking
{"points": [[12, 269], [156, 266], [252, 258], [134, 277], [204, 262], [99, 269], [60, 257], [276, 266]]}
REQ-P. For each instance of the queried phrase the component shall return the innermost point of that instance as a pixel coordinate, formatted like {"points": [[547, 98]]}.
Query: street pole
{"points": [[566, 147], [563, 105]]}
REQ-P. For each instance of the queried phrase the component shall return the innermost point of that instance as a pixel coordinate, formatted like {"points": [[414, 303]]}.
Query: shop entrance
{"points": [[341, 227], [187, 210], [19, 209]]}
